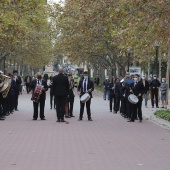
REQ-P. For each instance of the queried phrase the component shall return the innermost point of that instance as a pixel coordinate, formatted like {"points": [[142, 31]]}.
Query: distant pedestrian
{"points": [[146, 86], [163, 89], [106, 85], [45, 77], [28, 80], [155, 84]]}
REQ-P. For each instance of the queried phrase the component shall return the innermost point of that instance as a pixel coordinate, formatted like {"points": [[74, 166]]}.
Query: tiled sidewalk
{"points": [[107, 143]]}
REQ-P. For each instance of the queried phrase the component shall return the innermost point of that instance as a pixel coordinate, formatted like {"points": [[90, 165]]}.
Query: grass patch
{"points": [[164, 114], [99, 88]]}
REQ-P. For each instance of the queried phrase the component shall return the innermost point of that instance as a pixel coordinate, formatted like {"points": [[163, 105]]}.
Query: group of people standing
{"points": [[61, 92], [117, 91], [9, 92]]}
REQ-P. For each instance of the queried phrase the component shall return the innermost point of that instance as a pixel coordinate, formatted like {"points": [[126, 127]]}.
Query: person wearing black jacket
{"points": [[117, 95], [61, 93], [146, 86], [28, 80], [35, 82], [137, 89], [85, 85], [71, 95], [155, 84], [111, 98], [18, 82], [51, 93]]}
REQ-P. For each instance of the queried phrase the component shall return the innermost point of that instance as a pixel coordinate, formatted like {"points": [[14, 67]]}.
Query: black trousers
{"points": [[154, 94], [3, 105], [16, 101], [42, 105], [112, 102], [51, 101], [10, 103], [28, 87], [60, 109], [137, 110], [88, 103], [71, 103], [128, 108], [117, 104]]}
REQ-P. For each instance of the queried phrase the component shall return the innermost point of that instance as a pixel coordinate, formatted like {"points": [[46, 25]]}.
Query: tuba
{"points": [[5, 86]]}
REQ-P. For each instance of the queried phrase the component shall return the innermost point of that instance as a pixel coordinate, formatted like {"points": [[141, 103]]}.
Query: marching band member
{"points": [[35, 82], [111, 98], [85, 85], [2, 117], [137, 89], [71, 95], [117, 95], [61, 92], [51, 93], [17, 88]]}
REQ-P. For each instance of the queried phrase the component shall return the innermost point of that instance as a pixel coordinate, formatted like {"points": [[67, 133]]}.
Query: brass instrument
{"points": [[5, 85]]}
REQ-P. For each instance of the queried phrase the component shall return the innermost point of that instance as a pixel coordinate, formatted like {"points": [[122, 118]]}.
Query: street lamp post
{"points": [[156, 57], [128, 52]]}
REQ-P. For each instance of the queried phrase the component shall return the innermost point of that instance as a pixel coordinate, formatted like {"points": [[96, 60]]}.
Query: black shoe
{"points": [[72, 116], [16, 110], [90, 119], [157, 106], [115, 112], [34, 119], [130, 121], [136, 118], [63, 121], [140, 121], [43, 119], [110, 110], [152, 106], [50, 107], [67, 117], [58, 120], [80, 119], [2, 118]]}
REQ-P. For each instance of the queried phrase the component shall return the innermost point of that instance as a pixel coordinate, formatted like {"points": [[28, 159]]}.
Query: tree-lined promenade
{"points": [[106, 34], [113, 33], [25, 34]]}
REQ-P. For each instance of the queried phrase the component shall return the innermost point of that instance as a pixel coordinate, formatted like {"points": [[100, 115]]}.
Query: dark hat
{"points": [[85, 72], [15, 71]]}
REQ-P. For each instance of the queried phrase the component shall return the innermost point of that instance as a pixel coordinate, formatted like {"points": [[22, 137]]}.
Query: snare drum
{"points": [[85, 97], [133, 99]]}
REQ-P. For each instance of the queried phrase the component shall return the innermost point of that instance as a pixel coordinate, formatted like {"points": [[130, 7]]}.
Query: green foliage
{"points": [[164, 114]]}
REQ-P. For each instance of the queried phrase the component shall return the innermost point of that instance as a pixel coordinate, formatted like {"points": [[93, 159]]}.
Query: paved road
{"points": [[107, 143]]}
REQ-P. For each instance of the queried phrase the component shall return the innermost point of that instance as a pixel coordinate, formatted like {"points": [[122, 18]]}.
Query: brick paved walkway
{"points": [[107, 143]]}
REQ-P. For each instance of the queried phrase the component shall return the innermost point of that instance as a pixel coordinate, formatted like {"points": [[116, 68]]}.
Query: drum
{"points": [[133, 99], [37, 93], [85, 97]]}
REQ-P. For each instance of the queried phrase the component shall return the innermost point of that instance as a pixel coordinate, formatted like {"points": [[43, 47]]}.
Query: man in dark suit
{"points": [[155, 84], [71, 95], [35, 82], [28, 82], [61, 92], [137, 89], [117, 90], [85, 85], [18, 82]]}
